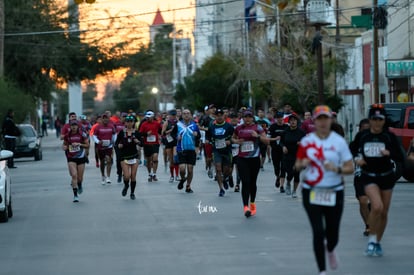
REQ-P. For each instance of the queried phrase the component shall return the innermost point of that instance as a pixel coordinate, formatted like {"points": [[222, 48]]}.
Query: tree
{"points": [[38, 53], [215, 82]]}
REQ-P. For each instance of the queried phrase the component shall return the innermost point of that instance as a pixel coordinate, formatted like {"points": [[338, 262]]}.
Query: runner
{"points": [[220, 133], [375, 150], [247, 135], [325, 156], [150, 130], [359, 188], [169, 131], [127, 143], [205, 123], [276, 131], [186, 139], [104, 135], [75, 143], [289, 142]]}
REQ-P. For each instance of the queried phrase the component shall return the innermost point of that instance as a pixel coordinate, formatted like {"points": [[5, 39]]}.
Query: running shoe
{"points": [[333, 260], [370, 249], [149, 178], [226, 184], [294, 195], [189, 190], [378, 250], [181, 184], [231, 182], [221, 193], [277, 183], [237, 188], [154, 178], [103, 180], [252, 209], [288, 191], [97, 165], [124, 191], [119, 178], [177, 178], [171, 179], [132, 196], [282, 190], [246, 211], [80, 189], [75, 199], [210, 173], [108, 180]]}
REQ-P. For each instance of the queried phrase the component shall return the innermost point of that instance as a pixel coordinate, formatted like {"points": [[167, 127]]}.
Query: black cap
{"points": [[377, 111], [172, 112], [219, 111], [233, 115], [279, 114]]}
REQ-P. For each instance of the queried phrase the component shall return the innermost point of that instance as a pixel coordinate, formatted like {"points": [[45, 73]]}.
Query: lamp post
{"points": [[317, 14], [154, 91]]}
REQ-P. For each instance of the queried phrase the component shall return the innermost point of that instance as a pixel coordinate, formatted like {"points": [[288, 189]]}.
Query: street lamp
{"points": [[154, 91], [317, 13]]}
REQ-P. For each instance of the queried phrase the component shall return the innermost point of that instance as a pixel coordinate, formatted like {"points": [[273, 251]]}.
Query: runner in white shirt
{"points": [[325, 156]]}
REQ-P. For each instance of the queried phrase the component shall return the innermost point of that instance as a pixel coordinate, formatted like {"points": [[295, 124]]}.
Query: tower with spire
{"points": [[156, 25]]}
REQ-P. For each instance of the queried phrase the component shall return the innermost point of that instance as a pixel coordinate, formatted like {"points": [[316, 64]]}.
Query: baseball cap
{"points": [[232, 115], [172, 112], [294, 116], [219, 111], [247, 113], [211, 106], [279, 114], [322, 110], [377, 111], [149, 114]]}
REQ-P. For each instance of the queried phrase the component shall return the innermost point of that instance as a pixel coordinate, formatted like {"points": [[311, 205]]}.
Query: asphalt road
{"points": [[163, 231]]}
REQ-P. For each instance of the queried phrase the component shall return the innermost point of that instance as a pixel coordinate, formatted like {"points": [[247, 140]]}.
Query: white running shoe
{"points": [[103, 181], [108, 180]]}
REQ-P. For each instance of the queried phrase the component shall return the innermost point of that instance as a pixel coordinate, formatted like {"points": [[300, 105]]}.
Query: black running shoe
{"points": [[181, 183]]}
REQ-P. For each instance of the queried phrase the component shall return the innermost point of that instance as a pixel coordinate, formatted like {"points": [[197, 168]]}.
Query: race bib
{"points": [[130, 161], [169, 138], [247, 146], [220, 143], [74, 148], [151, 138], [373, 149], [325, 197], [106, 142]]}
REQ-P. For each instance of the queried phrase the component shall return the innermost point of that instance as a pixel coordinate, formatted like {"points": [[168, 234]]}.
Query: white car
{"points": [[6, 211]]}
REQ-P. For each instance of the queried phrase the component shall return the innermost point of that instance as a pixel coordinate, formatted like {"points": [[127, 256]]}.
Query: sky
{"points": [[139, 14]]}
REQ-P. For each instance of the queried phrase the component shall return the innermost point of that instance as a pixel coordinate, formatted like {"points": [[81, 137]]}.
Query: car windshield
{"points": [[27, 131], [394, 117]]}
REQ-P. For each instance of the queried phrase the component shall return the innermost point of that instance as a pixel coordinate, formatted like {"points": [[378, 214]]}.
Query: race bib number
{"points": [[74, 148], [220, 143], [130, 161], [106, 142], [169, 138], [247, 146], [151, 138], [325, 197], [373, 149]]}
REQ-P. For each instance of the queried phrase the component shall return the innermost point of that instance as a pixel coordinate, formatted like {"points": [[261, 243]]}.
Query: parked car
{"points": [[6, 211], [400, 118], [29, 143]]}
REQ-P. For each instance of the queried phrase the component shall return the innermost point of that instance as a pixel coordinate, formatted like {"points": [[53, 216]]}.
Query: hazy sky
{"points": [[182, 12]]}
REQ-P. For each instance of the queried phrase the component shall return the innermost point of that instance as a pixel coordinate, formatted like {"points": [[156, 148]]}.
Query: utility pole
{"points": [[2, 19], [74, 85], [337, 38], [375, 75]]}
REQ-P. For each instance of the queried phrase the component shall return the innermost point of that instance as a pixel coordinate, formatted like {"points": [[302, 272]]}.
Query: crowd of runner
{"points": [[308, 153]]}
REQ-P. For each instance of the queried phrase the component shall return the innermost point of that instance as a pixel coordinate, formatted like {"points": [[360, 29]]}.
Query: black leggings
{"points": [[332, 216], [277, 156], [248, 170]]}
